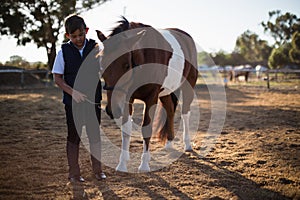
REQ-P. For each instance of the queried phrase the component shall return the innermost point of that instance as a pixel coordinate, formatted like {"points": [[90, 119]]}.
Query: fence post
{"points": [[22, 79], [47, 78], [268, 80]]}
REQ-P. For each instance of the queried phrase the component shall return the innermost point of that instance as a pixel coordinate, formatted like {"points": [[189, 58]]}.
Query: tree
{"points": [[39, 21], [17, 61], [282, 27], [294, 52], [253, 49], [279, 56], [221, 58], [237, 59], [204, 59]]}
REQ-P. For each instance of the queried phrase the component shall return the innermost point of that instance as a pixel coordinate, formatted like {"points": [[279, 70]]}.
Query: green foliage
{"points": [[294, 53], [252, 48], [38, 66], [17, 61], [237, 59], [282, 27], [204, 59], [39, 21], [279, 56], [221, 58]]}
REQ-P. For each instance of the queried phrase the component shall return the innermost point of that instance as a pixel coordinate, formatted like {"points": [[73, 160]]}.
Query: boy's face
{"points": [[77, 37]]}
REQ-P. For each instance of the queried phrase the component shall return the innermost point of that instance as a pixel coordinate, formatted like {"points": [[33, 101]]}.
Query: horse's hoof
{"points": [[121, 168], [169, 146], [144, 168], [188, 149]]}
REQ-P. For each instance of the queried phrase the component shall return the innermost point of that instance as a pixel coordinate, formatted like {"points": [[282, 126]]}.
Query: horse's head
{"points": [[116, 63]]}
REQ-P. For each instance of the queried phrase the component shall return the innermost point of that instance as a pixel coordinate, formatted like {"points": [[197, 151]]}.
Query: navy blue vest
{"points": [[82, 72]]}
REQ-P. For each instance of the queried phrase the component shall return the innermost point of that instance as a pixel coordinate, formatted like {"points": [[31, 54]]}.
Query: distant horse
{"points": [[242, 70], [140, 62], [260, 70]]}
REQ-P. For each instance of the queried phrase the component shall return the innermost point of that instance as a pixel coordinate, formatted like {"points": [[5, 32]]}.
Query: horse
{"points": [[242, 70], [260, 70], [152, 65]]}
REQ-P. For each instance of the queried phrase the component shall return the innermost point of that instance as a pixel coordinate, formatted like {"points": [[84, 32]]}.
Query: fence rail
{"points": [[266, 75], [22, 73]]}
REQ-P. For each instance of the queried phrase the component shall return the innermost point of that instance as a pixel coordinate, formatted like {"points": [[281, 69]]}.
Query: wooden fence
{"points": [[43, 75], [268, 76]]}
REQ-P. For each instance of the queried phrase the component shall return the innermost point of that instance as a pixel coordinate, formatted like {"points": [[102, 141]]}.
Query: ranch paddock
{"points": [[256, 156]]}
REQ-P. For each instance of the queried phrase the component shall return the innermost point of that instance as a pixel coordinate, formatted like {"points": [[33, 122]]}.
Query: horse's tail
{"points": [[163, 123]]}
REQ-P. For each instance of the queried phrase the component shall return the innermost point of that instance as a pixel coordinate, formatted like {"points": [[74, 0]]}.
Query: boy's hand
{"points": [[78, 96]]}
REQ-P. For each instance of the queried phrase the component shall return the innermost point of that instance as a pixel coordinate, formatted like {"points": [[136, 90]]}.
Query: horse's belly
{"points": [[175, 66]]}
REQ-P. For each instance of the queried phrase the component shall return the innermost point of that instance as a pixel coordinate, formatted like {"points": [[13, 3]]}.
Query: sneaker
{"points": [[100, 176]]}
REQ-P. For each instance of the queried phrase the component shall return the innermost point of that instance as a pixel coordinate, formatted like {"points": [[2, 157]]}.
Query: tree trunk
{"points": [[51, 53]]}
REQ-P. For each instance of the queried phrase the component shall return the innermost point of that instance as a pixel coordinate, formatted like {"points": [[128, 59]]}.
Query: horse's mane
{"points": [[125, 25]]}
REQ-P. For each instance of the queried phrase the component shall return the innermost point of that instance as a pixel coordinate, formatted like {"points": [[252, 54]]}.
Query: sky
{"points": [[214, 24]]}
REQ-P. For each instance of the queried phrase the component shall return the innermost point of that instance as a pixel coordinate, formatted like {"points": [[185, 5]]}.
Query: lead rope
{"points": [[91, 102], [94, 103], [99, 104]]}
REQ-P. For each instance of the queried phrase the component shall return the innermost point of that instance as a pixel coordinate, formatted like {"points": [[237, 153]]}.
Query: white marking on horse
{"points": [[124, 156], [186, 131], [175, 67]]}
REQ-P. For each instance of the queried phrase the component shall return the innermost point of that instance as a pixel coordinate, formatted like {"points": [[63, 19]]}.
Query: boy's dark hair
{"points": [[74, 22]]}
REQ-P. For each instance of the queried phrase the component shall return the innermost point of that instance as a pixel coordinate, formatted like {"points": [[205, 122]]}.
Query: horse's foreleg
{"points": [[188, 96], [124, 156], [146, 157], [147, 133], [186, 130]]}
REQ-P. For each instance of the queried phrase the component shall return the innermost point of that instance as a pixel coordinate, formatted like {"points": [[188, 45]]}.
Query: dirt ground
{"points": [[256, 156]]}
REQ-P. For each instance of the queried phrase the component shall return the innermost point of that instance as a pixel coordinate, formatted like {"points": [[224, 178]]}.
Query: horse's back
{"points": [[187, 44]]}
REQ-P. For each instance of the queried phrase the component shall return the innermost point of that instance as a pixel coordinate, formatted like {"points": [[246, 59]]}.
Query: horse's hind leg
{"points": [[187, 98], [168, 128], [186, 134]]}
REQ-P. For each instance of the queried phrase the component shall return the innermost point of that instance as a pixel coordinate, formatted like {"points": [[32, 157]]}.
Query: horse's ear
{"points": [[101, 36]]}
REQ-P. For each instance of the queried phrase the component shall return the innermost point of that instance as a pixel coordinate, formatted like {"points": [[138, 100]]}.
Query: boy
{"points": [[75, 71]]}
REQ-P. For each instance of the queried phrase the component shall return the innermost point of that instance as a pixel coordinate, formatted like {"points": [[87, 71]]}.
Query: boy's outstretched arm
{"points": [[76, 95]]}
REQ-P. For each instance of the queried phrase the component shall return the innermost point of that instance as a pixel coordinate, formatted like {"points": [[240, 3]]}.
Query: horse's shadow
{"points": [[158, 180], [217, 176], [78, 191], [106, 191], [233, 182]]}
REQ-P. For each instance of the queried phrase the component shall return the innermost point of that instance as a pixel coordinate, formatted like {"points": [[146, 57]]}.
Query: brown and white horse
{"points": [[241, 70], [140, 62]]}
